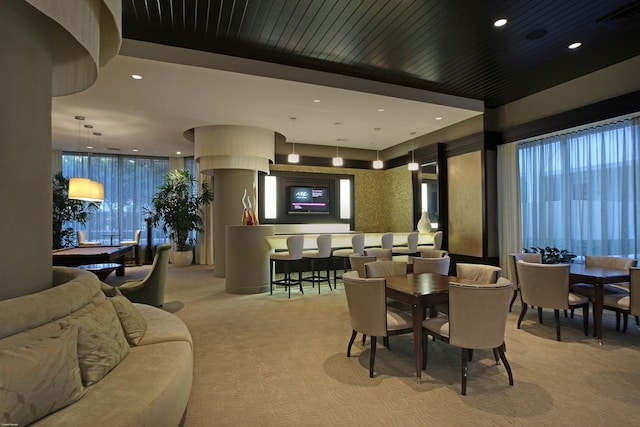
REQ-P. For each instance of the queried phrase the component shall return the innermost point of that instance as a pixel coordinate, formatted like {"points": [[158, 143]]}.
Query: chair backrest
{"points": [[357, 244], [431, 265], [324, 245], [478, 272], [610, 262], [379, 253], [387, 240], [385, 268], [358, 261], [478, 314], [136, 236], [521, 256], [432, 253], [437, 240], [295, 246], [634, 291], [412, 241], [366, 299], [82, 236], [544, 285]]}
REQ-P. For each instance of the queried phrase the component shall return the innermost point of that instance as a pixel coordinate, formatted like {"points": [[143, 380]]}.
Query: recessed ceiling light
{"points": [[500, 22], [380, 110], [575, 45], [178, 152], [136, 76], [438, 118], [316, 100], [135, 150]]}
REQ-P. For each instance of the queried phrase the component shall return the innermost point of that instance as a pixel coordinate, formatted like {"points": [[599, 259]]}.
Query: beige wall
{"points": [[383, 200]]}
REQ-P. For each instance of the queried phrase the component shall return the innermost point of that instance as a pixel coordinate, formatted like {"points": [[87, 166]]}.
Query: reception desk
{"points": [[247, 258], [343, 240]]}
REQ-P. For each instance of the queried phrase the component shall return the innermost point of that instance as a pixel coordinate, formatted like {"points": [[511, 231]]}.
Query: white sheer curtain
{"points": [[581, 191], [509, 216]]}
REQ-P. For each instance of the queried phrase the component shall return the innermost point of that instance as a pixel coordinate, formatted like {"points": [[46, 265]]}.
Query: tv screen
{"points": [[309, 200]]}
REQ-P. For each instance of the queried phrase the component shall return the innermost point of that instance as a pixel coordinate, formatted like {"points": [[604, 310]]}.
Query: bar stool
{"points": [[357, 248], [293, 256], [322, 254]]}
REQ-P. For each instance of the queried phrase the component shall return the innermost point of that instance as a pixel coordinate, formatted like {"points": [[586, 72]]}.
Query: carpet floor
{"points": [[266, 360]]}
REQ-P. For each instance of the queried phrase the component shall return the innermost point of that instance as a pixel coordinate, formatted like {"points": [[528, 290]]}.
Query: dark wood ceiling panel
{"points": [[449, 46]]}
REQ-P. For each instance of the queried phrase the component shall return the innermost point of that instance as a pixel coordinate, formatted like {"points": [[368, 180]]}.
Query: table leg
{"points": [[597, 311], [120, 270], [417, 314]]}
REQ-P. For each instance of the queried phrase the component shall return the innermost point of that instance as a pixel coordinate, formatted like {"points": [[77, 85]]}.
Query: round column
{"points": [[247, 261]]}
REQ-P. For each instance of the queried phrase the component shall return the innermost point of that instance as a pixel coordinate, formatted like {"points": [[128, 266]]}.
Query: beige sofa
{"points": [[71, 355]]}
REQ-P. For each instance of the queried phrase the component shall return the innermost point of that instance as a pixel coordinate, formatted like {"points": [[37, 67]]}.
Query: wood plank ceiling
{"points": [[447, 46]]}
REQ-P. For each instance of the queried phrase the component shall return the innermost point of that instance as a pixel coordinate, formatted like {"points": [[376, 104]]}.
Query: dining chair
{"points": [[322, 255], [380, 253], [477, 320], [357, 248], [437, 240], [369, 314], [478, 272], [82, 239], [431, 253], [136, 246], [431, 265], [619, 263], [357, 263], [547, 286], [625, 303], [292, 257], [527, 257], [385, 268], [386, 240]]}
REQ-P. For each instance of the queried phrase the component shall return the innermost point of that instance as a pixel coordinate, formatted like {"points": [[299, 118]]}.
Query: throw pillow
{"points": [[101, 341], [39, 377], [133, 323]]}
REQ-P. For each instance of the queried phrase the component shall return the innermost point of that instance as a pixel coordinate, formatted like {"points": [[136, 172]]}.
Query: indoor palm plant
{"points": [[66, 210], [178, 207]]}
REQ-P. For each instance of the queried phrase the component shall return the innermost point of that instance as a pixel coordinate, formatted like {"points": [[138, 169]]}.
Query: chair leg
{"points": [[625, 320], [464, 356], [496, 356], [373, 355], [385, 341], [364, 338], [540, 315], [522, 313], [353, 338], [271, 277], [637, 320], [505, 362], [585, 319], [617, 320], [470, 352], [513, 298], [556, 316]]}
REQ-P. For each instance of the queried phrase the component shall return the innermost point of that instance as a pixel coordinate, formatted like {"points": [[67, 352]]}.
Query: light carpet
{"points": [[264, 360]]}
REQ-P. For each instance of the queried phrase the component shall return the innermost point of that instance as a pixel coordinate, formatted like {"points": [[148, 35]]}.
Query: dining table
{"points": [[597, 277], [420, 291]]}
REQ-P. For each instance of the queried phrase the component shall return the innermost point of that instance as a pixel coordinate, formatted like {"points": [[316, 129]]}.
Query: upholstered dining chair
{"points": [[357, 248], [136, 245], [385, 268], [380, 253], [369, 314], [625, 303], [357, 263], [479, 272], [431, 265], [527, 257], [150, 290], [547, 286], [292, 257], [431, 253], [386, 240], [437, 240], [477, 320], [321, 255], [82, 239]]}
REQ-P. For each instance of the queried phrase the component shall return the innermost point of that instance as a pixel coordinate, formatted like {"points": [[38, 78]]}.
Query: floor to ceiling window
{"points": [[580, 191], [129, 184]]}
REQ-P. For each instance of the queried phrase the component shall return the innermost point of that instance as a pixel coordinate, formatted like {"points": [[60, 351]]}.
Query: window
{"points": [[129, 184], [580, 191]]}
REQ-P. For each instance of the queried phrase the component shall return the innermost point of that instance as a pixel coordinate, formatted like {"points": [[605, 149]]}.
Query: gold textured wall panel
{"points": [[464, 174], [382, 198]]}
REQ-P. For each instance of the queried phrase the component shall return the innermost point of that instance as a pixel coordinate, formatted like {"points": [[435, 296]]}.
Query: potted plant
{"points": [[178, 207], [552, 255], [66, 210]]}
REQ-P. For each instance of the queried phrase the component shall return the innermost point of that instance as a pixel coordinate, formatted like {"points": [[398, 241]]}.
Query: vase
{"points": [[424, 225]]}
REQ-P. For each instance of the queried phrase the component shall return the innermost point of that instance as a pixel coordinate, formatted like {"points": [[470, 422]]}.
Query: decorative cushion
{"points": [[133, 323], [39, 377], [101, 341]]}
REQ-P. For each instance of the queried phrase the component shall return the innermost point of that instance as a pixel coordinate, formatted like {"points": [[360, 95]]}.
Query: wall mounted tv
{"points": [[309, 200]]}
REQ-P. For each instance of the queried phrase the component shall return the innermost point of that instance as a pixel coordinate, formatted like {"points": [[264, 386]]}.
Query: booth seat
{"points": [[81, 353]]}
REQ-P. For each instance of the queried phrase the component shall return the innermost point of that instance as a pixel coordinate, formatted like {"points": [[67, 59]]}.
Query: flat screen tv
{"points": [[309, 200]]}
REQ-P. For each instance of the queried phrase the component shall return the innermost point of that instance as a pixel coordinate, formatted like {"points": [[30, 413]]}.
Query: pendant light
{"points": [[84, 188], [377, 163], [293, 157], [337, 160], [413, 166]]}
